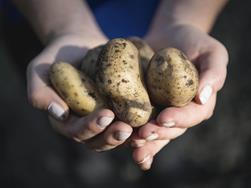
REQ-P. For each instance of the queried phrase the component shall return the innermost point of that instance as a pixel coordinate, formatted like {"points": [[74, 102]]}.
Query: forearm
{"points": [[53, 18], [201, 14]]}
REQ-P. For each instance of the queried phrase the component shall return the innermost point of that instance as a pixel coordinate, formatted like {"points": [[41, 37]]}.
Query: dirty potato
{"points": [[145, 51], [89, 62], [76, 89], [119, 79], [172, 80]]}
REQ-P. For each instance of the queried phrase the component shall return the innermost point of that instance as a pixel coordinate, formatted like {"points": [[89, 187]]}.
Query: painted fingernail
{"points": [[138, 143], [78, 140], [99, 150], [147, 164], [103, 122], [146, 158], [56, 111], [121, 136], [152, 136], [168, 124], [205, 94]]}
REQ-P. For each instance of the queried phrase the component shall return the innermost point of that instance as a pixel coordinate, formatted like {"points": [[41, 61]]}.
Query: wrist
{"points": [[89, 40], [161, 37]]}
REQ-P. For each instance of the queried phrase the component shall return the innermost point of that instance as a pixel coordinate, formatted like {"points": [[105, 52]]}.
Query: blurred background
{"points": [[215, 154]]}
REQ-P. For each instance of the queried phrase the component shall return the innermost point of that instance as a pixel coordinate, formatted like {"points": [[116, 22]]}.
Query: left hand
{"points": [[211, 58]]}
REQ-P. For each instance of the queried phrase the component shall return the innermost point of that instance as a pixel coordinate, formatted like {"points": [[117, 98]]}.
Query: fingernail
{"points": [[138, 143], [99, 150], [78, 140], [148, 164], [152, 136], [205, 94], [168, 124], [146, 158], [57, 111], [103, 122], [121, 136]]}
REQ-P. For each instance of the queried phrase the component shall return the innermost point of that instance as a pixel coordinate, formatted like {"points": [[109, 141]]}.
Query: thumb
{"points": [[41, 95], [212, 72]]}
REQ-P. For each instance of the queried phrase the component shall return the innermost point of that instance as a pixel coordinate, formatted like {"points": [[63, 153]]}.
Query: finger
{"points": [[187, 116], [41, 95], [143, 156], [116, 134], [82, 129], [136, 141], [213, 69], [152, 131]]}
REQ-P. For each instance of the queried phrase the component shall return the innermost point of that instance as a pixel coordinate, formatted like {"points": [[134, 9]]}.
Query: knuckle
{"points": [[224, 51], [209, 115]]}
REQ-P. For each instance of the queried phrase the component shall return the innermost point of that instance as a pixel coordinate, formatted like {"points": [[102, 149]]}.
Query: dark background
{"points": [[215, 154]]}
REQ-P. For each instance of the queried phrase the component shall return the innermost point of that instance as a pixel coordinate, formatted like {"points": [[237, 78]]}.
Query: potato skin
{"points": [[89, 62], [77, 90], [172, 80], [145, 51], [120, 80]]}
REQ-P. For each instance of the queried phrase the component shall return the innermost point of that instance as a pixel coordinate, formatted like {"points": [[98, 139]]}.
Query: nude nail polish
{"points": [[56, 111], [121, 136], [103, 122], [152, 136], [147, 157], [205, 94], [168, 124]]}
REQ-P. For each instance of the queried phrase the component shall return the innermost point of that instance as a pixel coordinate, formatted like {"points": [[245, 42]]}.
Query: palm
{"points": [[210, 57]]}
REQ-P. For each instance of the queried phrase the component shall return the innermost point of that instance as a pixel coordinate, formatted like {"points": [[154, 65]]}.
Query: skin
{"points": [[183, 24], [67, 39], [187, 23]]}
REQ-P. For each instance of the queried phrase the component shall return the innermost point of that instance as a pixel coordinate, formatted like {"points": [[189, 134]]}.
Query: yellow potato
{"points": [[120, 80], [76, 89], [89, 62], [172, 80], [145, 51]]}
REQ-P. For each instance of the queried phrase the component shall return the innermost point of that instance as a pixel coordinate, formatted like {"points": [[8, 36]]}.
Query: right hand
{"points": [[95, 130]]}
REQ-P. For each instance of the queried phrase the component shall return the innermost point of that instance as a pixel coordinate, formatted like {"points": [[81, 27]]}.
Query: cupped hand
{"points": [[211, 58], [97, 130]]}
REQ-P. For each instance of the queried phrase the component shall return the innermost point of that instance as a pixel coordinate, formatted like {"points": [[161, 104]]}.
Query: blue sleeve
{"points": [[122, 18], [117, 18]]}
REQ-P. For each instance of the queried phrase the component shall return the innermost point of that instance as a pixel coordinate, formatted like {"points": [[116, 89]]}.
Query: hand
{"points": [[96, 129], [211, 58]]}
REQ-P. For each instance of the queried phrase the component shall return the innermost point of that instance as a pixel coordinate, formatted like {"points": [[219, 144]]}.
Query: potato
{"points": [[77, 90], [145, 51], [89, 63], [172, 80], [119, 79]]}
